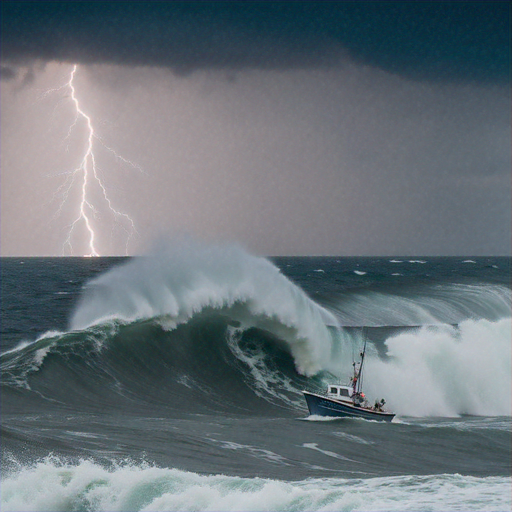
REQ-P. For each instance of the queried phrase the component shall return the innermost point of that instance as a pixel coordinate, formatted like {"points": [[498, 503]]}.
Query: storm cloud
{"points": [[424, 40], [290, 127]]}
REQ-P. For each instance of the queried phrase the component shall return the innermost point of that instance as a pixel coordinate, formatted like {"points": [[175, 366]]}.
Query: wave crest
{"points": [[175, 283]]}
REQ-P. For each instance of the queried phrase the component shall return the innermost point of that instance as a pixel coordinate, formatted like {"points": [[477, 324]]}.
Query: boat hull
{"points": [[319, 405]]}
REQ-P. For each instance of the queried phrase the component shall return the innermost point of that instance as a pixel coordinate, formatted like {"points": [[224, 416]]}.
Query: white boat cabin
{"points": [[339, 392]]}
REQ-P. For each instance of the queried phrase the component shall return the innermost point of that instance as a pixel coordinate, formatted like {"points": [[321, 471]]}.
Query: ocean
{"points": [[174, 381]]}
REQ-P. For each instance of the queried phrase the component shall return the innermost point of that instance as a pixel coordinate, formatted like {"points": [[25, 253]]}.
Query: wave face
{"points": [[430, 371]]}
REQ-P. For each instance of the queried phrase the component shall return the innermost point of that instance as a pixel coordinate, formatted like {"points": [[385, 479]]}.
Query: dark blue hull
{"points": [[322, 406]]}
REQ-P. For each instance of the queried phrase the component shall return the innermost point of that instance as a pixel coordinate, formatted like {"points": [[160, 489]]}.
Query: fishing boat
{"points": [[347, 401]]}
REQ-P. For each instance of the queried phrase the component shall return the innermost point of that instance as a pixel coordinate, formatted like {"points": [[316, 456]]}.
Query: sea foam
{"points": [[446, 370], [55, 485]]}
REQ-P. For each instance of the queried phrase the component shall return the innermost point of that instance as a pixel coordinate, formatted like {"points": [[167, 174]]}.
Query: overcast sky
{"points": [[292, 128]]}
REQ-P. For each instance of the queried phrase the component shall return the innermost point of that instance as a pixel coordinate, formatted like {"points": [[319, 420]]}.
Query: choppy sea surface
{"points": [[174, 381]]}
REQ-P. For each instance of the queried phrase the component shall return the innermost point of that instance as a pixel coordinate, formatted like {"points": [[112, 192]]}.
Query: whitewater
{"points": [[173, 381]]}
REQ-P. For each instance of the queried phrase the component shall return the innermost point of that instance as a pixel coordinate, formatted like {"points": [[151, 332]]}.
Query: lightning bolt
{"points": [[86, 174]]}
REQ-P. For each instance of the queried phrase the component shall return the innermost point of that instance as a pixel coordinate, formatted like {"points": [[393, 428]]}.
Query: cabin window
{"points": [[333, 391], [343, 392]]}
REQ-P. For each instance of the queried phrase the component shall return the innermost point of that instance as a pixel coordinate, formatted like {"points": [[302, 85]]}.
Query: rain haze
{"points": [[291, 128]]}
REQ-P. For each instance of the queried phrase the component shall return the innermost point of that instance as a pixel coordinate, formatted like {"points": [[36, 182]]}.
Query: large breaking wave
{"points": [[193, 323], [177, 283]]}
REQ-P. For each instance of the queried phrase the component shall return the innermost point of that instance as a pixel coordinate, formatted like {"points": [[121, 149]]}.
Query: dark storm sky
{"points": [[401, 145], [424, 40]]}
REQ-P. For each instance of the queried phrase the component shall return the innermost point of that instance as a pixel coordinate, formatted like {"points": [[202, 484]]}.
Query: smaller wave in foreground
{"points": [[55, 485]]}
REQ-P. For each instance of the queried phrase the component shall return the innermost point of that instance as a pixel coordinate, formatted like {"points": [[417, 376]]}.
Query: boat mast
{"points": [[359, 380]]}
